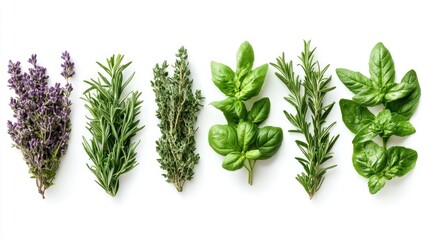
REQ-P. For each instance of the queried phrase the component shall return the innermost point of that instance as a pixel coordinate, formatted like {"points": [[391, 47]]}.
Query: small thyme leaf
{"points": [[177, 109], [307, 96], [112, 124]]}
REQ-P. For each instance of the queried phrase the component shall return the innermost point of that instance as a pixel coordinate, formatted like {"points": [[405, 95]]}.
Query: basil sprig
{"points": [[242, 141], [400, 100]]}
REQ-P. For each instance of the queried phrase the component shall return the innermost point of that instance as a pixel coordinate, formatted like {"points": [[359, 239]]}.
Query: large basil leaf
{"points": [[368, 158], [268, 141], [407, 106], [224, 78], [223, 139], [376, 183], [369, 98], [252, 83], [400, 161], [367, 133], [354, 115], [398, 91], [233, 161], [355, 81], [246, 133], [260, 111], [381, 66], [232, 108], [245, 58]]}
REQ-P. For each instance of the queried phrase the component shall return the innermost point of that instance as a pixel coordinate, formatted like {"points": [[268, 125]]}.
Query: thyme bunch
{"points": [[112, 124], [307, 96], [177, 109]]}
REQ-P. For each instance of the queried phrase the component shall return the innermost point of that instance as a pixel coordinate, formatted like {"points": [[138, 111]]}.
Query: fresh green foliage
{"points": [[177, 109], [112, 124], [242, 142], [400, 100], [307, 96]]}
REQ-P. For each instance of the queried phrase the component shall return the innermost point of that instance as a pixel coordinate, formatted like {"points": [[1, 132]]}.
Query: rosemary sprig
{"points": [[177, 109], [318, 143], [112, 124]]}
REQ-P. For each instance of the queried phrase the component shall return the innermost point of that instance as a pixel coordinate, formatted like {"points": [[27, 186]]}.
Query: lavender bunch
{"points": [[41, 126]]}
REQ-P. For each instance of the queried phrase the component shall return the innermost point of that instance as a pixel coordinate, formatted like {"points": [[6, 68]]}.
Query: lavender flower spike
{"points": [[68, 66], [41, 125]]}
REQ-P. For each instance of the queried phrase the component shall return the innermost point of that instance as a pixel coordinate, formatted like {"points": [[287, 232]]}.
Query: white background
{"points": [[216, 204]]}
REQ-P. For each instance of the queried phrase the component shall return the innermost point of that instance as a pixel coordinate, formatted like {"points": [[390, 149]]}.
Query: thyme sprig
{"points": [[112, 124], [318, 143], [177, 109]]}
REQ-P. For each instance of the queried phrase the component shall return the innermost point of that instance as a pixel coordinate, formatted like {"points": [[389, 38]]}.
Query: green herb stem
{"points": [[250, 165]]}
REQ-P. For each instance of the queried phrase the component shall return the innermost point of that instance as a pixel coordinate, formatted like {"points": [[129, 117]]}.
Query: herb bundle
{"points": [[242, 142], [399, 100], [42, 126], [177, 109], [307, 96], [112, 124]]}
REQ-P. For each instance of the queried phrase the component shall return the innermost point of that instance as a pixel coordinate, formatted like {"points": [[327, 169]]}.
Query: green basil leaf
{"points": [[355, 81], [233, 161], [232, 108], [376, 183], [226, 105], [368, 158], [268, 141], [260, 111], [231, 120], [245, 58], [397, 118], [369, 98], [383, 117], [404, 128], [240, 109], [223, 139], [252, 83], [381, 66], [224, 78], [253, 154], [367, 133], [246, 132], [354, 115], [398, 91], [407, 106], [400, 161]]}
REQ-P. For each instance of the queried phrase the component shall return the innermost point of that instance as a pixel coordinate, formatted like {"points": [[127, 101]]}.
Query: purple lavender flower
{"points": [[41, 126], [68, 66]]}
